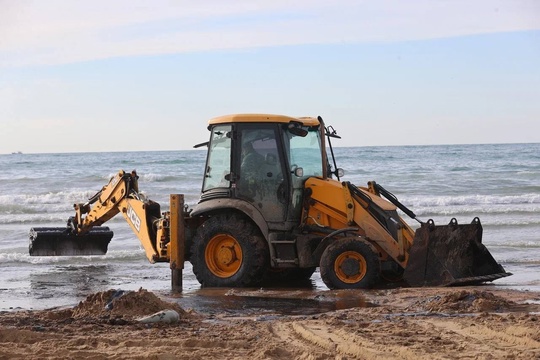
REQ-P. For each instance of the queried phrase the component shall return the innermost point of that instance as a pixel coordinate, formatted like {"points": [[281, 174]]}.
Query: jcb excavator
{"points": [[273, 206]]}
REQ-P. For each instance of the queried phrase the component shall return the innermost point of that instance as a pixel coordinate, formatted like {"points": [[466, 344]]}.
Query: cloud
{"points": [[63, 31]]}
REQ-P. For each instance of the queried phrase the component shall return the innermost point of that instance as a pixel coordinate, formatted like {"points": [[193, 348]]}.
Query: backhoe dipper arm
{"points": [[121, 195]]}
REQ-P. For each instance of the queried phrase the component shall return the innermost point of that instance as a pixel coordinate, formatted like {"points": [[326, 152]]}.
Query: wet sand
{"points": [[421, 323]]}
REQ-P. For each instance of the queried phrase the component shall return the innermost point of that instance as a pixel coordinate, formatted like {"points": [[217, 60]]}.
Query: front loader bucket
{"points": [[60, 241], [452, 254]]}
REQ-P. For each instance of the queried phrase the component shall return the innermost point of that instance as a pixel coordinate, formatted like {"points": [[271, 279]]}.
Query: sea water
{"points": [[498, 183]]}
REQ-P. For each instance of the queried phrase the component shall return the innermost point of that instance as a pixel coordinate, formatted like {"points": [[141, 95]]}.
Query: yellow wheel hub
{"points": [[223, 255], [350, 267]]}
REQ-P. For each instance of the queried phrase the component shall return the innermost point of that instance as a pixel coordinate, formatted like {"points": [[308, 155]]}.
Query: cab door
{"points": [[260, 172]]}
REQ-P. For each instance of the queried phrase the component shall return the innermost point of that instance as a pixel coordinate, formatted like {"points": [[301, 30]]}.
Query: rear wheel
{"points": [[350, 263], [229, 251]]}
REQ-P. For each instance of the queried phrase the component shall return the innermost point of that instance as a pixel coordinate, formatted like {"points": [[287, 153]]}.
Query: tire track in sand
{"points": [[303, 349], [341, 343], [486, 340]]}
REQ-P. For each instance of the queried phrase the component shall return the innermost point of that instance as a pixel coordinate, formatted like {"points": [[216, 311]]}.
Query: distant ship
{"points": [[16, 152]]}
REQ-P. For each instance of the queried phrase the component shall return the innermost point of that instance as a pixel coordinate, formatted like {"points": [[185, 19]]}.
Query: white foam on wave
{"points": [[112, 256], [500, 222], [37, 218], [61, 197], [147, 177], [434, 201], [487, 220], [58, 218], [519, 260], [517, 245], [153, 177], [495, 209]]}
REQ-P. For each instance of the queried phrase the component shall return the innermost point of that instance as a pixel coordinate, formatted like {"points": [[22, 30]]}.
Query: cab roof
{"points": [[262, 118]]}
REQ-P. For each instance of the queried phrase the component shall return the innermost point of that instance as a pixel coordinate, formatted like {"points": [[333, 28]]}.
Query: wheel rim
{"points": [[223, 255], [350, 267]]}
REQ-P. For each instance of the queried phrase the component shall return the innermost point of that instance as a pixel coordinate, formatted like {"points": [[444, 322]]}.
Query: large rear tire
{"points": [[350, 263], [228, 250]]}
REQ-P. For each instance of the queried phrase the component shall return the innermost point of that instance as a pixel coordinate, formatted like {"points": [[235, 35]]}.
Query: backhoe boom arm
{"points": [[121, 195], [84, 234], [104, 205]]}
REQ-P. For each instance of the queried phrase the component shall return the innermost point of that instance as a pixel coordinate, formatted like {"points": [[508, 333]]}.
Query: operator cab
{"points": [[264, 160]]}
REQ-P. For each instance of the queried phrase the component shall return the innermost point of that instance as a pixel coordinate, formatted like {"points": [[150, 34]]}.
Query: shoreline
{"points": [[50, 299], [407, 323], [65, 284]]}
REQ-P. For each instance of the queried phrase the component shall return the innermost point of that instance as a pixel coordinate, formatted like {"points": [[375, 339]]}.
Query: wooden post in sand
{"points": [[177, 234]]}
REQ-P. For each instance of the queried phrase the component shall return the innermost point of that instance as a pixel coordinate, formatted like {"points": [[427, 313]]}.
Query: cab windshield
{"points": [[305, 152]]}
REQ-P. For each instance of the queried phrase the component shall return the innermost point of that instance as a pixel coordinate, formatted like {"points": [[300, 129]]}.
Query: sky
{"points": [[86, 76]]}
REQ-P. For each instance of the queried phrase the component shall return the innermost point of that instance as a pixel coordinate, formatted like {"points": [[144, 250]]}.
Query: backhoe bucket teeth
{"points": [[449, 255], [62, 242]]}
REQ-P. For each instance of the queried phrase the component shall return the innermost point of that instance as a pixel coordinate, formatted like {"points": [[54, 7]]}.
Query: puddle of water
{"points": [[281, 302], [306, 297]]}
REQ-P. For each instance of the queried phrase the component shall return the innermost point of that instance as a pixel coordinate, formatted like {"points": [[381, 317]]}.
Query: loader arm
{"points": [[432, 255], [339, 205]]}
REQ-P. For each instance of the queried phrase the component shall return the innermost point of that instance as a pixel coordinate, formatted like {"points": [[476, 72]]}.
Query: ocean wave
{"points": [[64, 197], [112, 256], [532, 210], [34, 219], [502, 222], [14, 179], [434, 201], [516, 245], [16, 209], [144, 177], [520, 261], [156, 177], [487, 221], [37, 214], [45, 218]]}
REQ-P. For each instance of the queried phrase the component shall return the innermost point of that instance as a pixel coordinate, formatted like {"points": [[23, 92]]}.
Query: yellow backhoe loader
{"points": [[273, 206]]}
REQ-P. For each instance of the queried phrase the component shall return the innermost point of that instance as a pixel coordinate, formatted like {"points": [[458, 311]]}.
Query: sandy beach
{"points": [[403, 323]]}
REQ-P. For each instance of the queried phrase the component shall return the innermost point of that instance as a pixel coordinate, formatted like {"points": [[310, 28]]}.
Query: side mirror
{"points": [[296, 129]]}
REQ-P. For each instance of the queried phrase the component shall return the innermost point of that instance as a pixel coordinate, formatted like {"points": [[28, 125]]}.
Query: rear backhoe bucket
{"points": [[452, 254], [62, 242]]}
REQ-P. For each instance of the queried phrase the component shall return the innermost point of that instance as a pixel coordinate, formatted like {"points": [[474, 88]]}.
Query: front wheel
{"points": [[350, 263], [228, 250]]}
